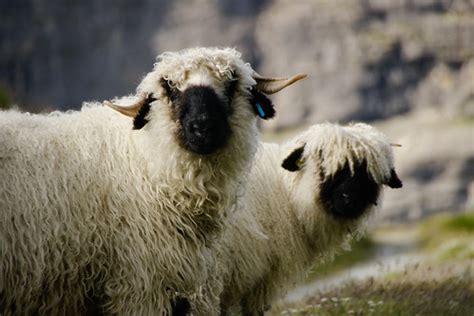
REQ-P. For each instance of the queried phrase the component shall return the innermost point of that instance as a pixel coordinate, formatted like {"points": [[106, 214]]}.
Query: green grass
{"points": [[460, 223], [361, 250], [450, 296], [441, 284], [449, 237]]}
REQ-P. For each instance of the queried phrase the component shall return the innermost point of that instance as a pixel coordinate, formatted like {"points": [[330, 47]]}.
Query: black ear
{"points": [[140, 119], [293, 161], [394, 182], [262, 105]]}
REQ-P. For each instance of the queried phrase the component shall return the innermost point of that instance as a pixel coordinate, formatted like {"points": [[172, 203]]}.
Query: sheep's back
{"points": [[62, 176]]}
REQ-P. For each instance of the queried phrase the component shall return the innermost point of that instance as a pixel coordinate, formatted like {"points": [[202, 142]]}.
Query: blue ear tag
{"points": [[261, 113]]}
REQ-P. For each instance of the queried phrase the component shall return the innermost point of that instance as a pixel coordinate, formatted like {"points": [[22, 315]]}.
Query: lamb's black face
{"points": [[347, 195], [203, 117]]}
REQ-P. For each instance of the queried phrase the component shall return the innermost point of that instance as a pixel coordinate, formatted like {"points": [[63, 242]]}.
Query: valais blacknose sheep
{"points": [[329, 185], [97, 216]]}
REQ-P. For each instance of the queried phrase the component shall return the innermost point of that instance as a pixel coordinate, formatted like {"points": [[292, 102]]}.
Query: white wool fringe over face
{"points": [[281, 227], [90, 206]]}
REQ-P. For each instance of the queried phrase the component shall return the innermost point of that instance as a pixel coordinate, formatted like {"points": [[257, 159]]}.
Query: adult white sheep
{"points": [[289, 217], [93, 213]]}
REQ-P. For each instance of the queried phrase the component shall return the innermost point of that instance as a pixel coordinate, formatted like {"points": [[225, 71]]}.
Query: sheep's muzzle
{"points": [[348, 195], [204, 120]]}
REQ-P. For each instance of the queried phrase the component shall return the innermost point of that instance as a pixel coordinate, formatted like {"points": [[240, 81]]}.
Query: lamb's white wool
{"points": [[349, 144], [256, 266], [93, 210]]}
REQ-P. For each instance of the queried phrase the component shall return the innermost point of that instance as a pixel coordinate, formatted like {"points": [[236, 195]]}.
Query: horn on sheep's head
{"points": [[128, 109], [263, 106], [270, 85]]}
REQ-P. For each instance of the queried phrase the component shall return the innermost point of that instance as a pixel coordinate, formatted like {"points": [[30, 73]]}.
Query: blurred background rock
{"points": [[405, 65]]}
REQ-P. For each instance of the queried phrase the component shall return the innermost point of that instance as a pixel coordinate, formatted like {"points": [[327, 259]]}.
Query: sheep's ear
{"points": [[294, 161], [140, 119], [394, 181], [269, 85], [262, 105]]}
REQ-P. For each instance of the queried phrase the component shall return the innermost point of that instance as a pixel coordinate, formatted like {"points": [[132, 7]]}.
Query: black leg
{"points": [[181, 307]]}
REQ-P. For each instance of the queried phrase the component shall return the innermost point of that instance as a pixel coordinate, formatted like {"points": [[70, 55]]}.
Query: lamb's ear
{"points": [[269, 85], [262, 105], [394, 181], [294, 161]]}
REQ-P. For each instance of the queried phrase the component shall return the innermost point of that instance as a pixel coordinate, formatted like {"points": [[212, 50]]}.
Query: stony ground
{"points": [[441, 282]]}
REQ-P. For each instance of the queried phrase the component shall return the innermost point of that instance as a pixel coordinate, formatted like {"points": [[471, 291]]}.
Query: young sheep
{"points": [[306, 211], [96, 217]]}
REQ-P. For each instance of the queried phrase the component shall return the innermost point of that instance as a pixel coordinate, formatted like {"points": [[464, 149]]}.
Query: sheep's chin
{"points": [[201, 150], [204, 147]]}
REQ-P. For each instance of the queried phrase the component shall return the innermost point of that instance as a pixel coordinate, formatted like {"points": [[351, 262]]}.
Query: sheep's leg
{"points": [[249, 308], [180, 306], [254, 303], [93, 306]]}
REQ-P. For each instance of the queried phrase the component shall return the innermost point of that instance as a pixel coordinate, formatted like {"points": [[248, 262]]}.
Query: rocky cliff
{"points": [[371, 60], [367, 59]]}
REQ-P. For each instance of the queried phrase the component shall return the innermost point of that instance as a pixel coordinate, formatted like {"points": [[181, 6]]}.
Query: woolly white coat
{"points": [[90, 206], [281, 227]]}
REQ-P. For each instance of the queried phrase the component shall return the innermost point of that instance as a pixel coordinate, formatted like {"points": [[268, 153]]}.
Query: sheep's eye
{"points": [[170, 84], [170, 88], [230, 87]]}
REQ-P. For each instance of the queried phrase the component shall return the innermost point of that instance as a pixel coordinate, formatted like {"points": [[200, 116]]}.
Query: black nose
{"points": [[202, 127]]}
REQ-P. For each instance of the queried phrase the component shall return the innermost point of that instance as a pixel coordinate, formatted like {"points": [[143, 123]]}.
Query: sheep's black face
{"points": [[204, 120], [203, 117], [344, 195], [347, 195]]}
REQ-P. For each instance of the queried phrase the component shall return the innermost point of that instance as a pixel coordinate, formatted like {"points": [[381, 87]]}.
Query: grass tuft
{"points": [[449, 237], [450, 296], [442, 283], [463, 222]]}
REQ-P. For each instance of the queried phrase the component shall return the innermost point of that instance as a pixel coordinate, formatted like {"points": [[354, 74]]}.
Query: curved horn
{"points": [[128, 110], [269, 85]]}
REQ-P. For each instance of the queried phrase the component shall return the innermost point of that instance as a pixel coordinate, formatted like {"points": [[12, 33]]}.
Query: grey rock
{"points": [[407, 65]]}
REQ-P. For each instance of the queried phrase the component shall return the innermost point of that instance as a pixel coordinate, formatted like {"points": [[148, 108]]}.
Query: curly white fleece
{"points": [[280, 228], [90, 208]]}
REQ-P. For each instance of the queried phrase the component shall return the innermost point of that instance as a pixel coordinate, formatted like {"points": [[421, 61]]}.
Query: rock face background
{"points": [[406, 65]]}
